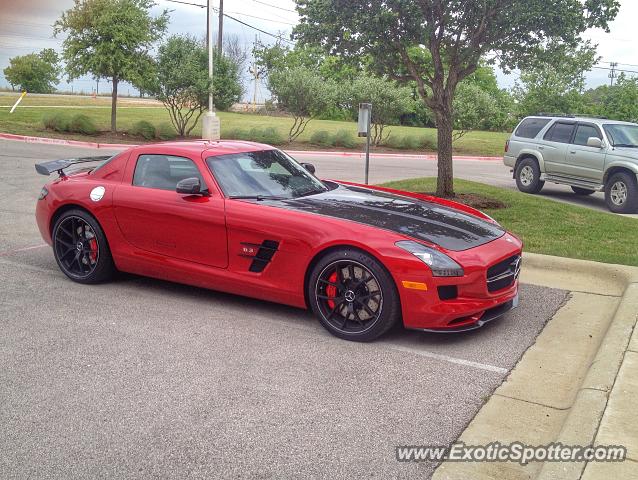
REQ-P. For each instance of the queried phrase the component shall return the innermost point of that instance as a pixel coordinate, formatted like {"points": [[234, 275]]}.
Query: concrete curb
{"points": [[605, 305], [584, 417], [78, 143]]}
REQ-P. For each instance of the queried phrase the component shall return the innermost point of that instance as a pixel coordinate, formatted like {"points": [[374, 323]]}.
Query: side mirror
{"points": [[189, 186], [309, 166], [594, 142]]}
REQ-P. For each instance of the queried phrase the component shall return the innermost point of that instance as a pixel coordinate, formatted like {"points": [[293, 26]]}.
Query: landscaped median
{"points": [[547, 226]]}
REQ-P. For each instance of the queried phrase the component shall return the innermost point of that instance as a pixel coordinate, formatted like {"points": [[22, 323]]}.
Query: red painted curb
{"points": [[62, 141], [78, 143]]}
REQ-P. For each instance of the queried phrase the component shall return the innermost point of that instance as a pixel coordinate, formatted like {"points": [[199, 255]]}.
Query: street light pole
{"points": [[210, 121]]}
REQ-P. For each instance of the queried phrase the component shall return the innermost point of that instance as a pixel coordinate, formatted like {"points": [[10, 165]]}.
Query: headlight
{"points": [[43, 193], [440, 264]]}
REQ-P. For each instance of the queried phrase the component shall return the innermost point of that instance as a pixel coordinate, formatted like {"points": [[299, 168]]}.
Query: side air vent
{"points": [[265, 252]]}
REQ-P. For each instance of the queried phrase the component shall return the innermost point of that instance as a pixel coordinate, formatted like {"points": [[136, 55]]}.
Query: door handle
{"points": [[572, 151]]}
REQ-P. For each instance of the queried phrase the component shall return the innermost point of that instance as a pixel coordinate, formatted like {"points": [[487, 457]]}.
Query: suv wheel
{"points": [[621, 193], [528, 176], [582, 191]]}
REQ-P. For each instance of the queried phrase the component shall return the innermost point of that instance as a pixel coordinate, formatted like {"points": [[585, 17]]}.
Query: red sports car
{"points": [[247, 219]]}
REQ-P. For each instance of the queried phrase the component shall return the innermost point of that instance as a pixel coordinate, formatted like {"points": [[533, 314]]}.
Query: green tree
{"points": [[35, 72], [618, 102], [555, 85], [388, 101], [110, 39], [279, 57], [439, 43], [303, 94], [181, 81]]}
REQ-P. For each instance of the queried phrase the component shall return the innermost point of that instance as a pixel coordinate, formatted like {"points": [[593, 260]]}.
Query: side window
{"points": [[530, 127], [164, 171], [560, 132], [583, 132]]}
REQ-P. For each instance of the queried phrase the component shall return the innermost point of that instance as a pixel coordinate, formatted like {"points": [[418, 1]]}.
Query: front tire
{"points": [[81, 249], [353, 296], [528, 176], [582, 191], [621, 193]]}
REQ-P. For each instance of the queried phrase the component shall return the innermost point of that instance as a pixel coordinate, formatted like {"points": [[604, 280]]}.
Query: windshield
{"points": [[266, 173], [622, 135]]}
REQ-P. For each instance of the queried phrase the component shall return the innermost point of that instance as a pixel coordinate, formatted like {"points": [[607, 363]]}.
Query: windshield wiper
{"points": [[259, 198], [309, 191]]}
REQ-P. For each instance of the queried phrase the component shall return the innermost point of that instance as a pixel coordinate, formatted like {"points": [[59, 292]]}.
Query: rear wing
{"points": [[47, 168]]}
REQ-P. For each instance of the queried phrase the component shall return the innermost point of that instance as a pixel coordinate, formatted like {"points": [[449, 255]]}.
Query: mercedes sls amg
{"points": [[247, 219]]}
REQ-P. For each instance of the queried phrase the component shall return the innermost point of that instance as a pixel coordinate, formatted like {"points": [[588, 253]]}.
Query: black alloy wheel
{"points": [[353, 296], [80, 248]]}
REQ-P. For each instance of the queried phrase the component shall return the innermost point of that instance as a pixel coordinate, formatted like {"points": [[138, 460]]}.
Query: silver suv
{"points": [[588, 154]]}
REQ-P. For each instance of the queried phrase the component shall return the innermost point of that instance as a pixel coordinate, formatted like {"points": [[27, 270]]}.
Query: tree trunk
{"points": [[445, 180], [114, 105]]}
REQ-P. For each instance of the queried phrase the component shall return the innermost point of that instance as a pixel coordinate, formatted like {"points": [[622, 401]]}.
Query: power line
{"points": [[279, 37], [274, 6]]}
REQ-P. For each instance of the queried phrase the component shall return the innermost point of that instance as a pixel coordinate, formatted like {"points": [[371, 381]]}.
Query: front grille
{"points": [[503, 274]]}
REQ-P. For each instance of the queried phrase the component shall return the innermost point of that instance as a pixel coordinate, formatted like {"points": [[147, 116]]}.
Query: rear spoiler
{"points": [[47, 168]]}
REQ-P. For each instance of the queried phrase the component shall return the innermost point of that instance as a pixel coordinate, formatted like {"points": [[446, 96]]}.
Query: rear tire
{"points": [[353, 295], [81, 249], [528, 176], [582, 191], [621, 193]]}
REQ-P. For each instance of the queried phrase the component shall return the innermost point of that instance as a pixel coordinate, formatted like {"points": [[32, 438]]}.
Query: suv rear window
{"points": [[530, 127], [560, 132]]}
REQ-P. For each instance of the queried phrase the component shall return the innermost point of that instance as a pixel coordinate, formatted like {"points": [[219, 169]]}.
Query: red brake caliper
{"points": [[93, 245], [331, 291]]}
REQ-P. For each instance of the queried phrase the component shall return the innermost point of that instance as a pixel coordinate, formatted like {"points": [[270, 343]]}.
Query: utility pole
{"points": [[257, 74], [210, 121], [612, 73], [220, 30]]}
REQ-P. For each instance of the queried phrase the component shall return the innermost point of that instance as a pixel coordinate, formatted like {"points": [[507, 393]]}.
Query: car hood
{"points": [[624, 152], [421, 220]]}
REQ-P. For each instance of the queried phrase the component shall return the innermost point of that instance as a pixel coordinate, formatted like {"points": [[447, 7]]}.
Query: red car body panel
{"points": [[206, 241]]}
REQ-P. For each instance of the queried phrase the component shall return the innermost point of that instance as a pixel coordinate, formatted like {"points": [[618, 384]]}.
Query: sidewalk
{"points": [[576, 385]]}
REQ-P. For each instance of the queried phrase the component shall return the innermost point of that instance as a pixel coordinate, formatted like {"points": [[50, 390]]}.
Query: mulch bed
{"points": [[474, 200]]}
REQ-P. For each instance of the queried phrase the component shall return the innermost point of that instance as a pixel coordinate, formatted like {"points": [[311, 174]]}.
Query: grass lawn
{"points": [[550, 227], [28, 121]]}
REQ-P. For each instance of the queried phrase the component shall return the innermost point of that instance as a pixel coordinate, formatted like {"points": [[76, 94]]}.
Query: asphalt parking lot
{"points": [[143, 378]]}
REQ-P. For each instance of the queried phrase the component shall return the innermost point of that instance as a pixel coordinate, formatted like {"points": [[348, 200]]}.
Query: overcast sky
{"points": [[25, 26]]}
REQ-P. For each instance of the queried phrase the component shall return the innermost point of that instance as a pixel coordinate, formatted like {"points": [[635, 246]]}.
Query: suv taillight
{"points": [[507, 146]]}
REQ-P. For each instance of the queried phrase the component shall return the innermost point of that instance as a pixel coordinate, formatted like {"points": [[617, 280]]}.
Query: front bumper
{"points": [[472, 302], [486, 317]]}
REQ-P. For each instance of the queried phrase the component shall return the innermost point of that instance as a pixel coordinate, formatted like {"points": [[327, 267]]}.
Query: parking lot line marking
{"points": [[24, 249], [447, 358]]}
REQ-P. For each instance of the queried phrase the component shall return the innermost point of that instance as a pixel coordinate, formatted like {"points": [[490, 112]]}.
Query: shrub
{"points": [[271, 136], [80, 123], [143, 129], [394, 141], [322, 138], [268, 135], [410, 142], [56, 121], [427, 143], [344, 138], [165, 131]]}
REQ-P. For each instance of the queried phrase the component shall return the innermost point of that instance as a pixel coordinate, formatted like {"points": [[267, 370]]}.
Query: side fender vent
{"points": [[265, 251]]}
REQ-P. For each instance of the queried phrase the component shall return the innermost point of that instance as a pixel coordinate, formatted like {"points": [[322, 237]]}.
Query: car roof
{"points": [[199, 147], [574, 118]]}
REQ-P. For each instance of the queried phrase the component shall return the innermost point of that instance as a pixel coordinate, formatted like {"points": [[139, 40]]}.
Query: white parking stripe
{"points": [[447, 358]]}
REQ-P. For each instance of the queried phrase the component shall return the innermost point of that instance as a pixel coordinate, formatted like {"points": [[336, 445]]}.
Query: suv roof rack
{"points": [[570, 115], [561, 115]]}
